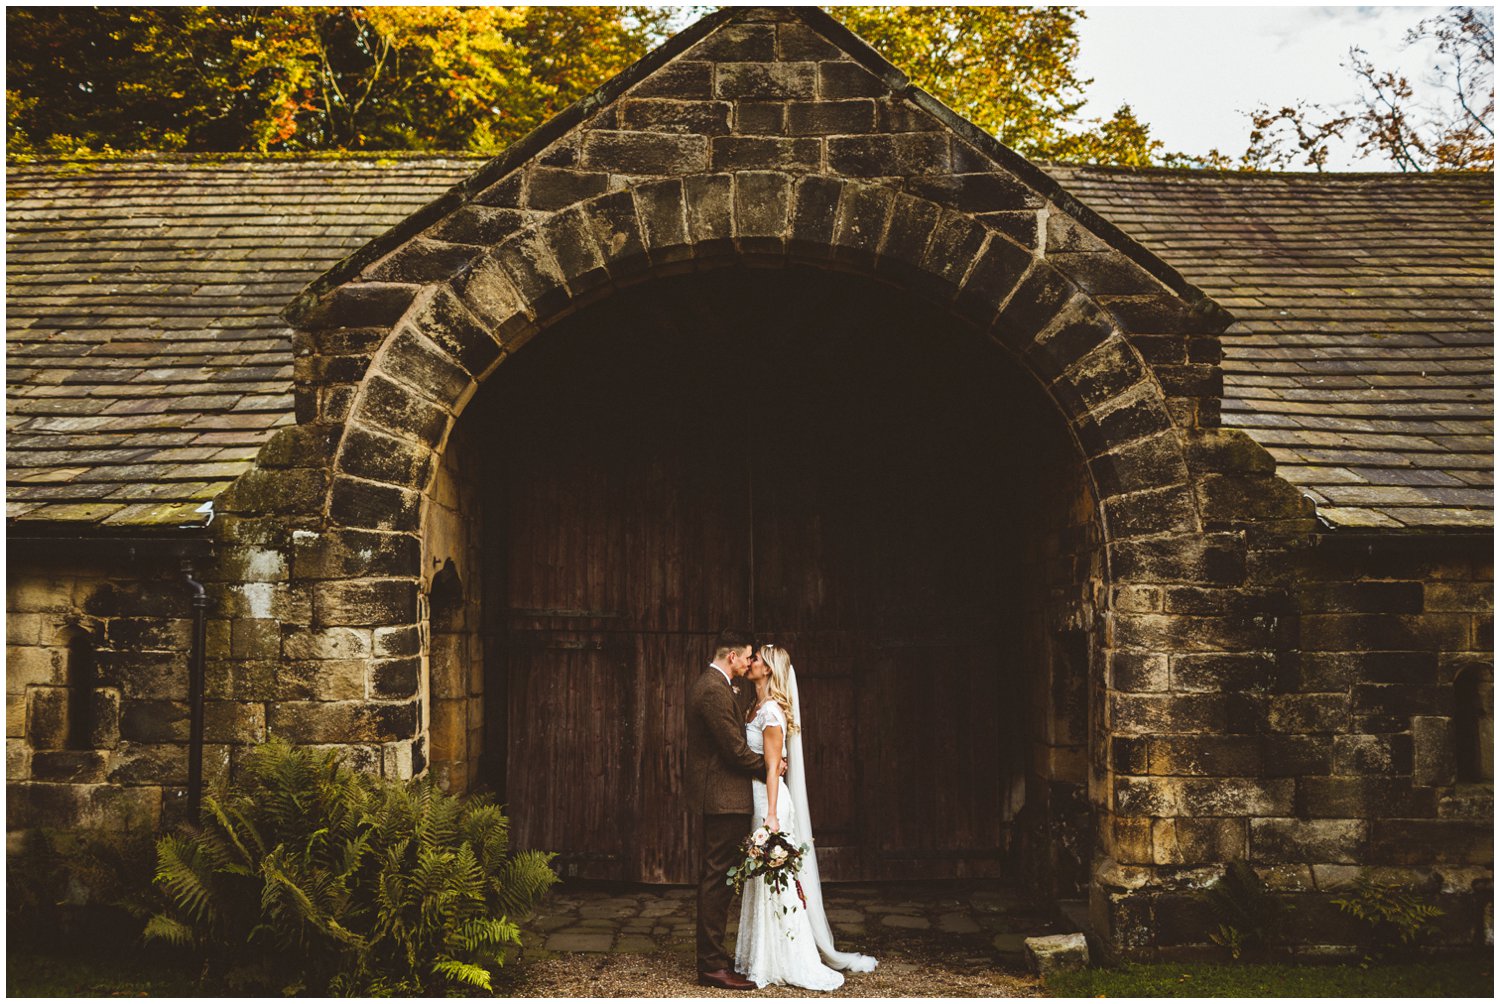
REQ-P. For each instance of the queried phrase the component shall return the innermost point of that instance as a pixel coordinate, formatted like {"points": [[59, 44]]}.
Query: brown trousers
{"points": [[722, 835]]}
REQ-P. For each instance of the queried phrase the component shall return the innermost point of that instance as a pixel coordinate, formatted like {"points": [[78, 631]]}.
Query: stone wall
{"points": [[96, 695], [454, 594]]}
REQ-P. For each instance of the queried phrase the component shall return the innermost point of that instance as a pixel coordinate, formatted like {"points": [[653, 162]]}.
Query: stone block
{"points": [[47, 720], [415, 360], [15, 715], [1377, 754], [1220, 672], [1434, 759], [488, 291], [762, 202], [160, 634], [1360, 597], [1183, 633], [1425, 842], [168, 721], [401, 640], [1301, 713], [885, 155], [709, 201], [1154, 511], [83, 807], [702, 118], [364, 603], [949, 254], [343, 721], [617, 233], [1197, 841], [845, 79], [863, 213], [421, 260], [907, 235], [1310, 841], [1139, 672], [1136, 599], [737, 42], [395, 679], [376, 457], [393, 408], [766, 81], [17, 760], [1154, 714], [1147, 463], [1057, 953], [482, 225], [320, 679], [1211, 755], [341, 553], [830, 118], [553, 188], [69, 766], [684, 79], [995, 272], [1077, 330], [1294, 756], [761, 153], [1137, 417], [663, 220], [1365, 797], [1203, 558], [1203, 796], [330, 643], [1105, 372], [644, 152], [365, 504], [149, 763], [1105, 273], [31, 666], [569, 236]]}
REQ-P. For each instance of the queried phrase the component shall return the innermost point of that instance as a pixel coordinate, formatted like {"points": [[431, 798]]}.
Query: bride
{"points": [[779, 941]]}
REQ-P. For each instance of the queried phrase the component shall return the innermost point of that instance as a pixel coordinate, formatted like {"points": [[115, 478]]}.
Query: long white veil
{"points": [[812, 885]]}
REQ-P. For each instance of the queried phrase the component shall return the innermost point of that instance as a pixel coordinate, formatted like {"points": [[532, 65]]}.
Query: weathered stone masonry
{"points": [[1252, 690]]}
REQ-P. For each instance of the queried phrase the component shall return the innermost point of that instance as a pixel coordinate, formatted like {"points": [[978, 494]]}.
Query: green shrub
{"points": [[307, 876], [1396, 918], [1246, 910]]}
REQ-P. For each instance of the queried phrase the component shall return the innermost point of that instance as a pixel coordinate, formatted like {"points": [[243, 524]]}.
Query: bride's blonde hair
{"points": [[778, 686]]}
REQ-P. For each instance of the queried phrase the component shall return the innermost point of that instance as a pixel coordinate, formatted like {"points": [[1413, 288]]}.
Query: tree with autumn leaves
{"points": [[475, 79]]}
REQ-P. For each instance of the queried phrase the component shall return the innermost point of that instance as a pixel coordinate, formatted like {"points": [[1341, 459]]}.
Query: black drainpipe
{"points": [[195, 691]]}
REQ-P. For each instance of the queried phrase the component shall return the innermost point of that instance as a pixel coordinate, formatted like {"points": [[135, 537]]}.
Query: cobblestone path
{"points": [[932, 939]]}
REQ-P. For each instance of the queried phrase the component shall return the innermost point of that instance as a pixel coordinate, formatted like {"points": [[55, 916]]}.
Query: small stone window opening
{"points": [[1474, 724], [83, 677]]}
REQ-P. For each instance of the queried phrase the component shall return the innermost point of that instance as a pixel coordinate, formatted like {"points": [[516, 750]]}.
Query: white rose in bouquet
{"points": [[760, 836]]}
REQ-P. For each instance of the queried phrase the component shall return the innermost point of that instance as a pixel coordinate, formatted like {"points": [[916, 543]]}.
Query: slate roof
{"points": [[148, 362], [146, 359], [1362, 356]]}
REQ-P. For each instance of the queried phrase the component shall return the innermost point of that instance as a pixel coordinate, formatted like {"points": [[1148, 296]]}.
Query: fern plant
{"points": [[309, 876], [1246, 910], [1397, 918]]}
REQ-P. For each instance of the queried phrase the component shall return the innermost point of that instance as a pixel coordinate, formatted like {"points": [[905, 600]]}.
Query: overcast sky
{"points": [[1190, 71]]}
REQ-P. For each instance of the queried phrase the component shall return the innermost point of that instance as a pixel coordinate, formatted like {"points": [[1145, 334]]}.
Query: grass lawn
{"points": [[90, 972], [1467, 976]]}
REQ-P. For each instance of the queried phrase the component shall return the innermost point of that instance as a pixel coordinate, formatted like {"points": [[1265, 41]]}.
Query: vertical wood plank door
{"points": [[797, 452]]}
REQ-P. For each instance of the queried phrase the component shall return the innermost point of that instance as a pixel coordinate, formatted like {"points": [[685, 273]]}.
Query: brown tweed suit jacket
{"points": [[719, 764]]}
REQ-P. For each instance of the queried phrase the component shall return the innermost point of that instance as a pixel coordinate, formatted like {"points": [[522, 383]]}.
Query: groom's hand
{"points": [[783, 767]]}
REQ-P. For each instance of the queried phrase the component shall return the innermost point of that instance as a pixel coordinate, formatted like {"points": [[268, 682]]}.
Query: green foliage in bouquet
{"points": [[771, 856], [307, 876], [1246, 910]]}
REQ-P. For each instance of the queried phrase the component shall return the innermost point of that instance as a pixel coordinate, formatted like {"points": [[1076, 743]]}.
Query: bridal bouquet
{"points": [[771, 855]]}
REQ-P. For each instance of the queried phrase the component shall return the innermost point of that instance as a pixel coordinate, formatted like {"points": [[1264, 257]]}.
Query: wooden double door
{"points": [[768, 451]]}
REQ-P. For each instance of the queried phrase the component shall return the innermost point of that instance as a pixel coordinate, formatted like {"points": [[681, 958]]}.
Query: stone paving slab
{"points": [[940, 939], [984, 922]]}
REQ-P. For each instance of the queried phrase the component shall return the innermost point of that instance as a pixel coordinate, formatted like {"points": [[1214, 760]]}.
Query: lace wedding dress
{"points": [[780, 941]]}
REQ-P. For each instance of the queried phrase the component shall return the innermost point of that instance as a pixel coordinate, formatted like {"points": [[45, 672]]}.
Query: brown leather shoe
{"points": [[725, 979]]}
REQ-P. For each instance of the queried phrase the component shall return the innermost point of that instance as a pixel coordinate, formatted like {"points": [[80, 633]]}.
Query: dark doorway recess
{"points": [[840, 467]]}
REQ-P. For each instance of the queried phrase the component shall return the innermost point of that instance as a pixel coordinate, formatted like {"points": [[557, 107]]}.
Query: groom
{"points": [[719, 769]]}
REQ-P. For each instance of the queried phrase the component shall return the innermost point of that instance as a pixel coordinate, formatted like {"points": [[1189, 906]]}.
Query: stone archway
{"points": [[457, 334]]}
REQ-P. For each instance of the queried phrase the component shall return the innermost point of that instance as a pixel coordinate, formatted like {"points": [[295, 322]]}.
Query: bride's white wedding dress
{"points": [[788, 946]]}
